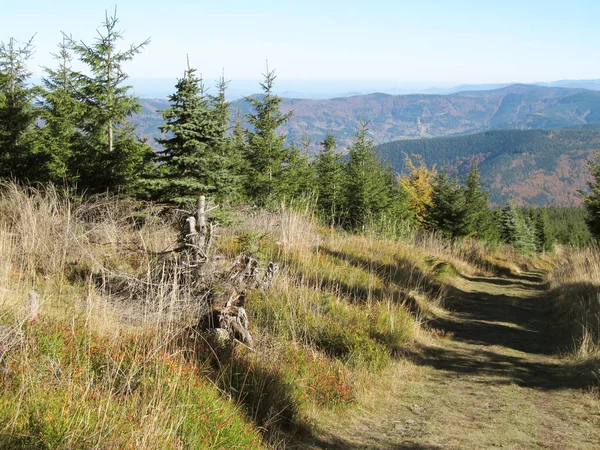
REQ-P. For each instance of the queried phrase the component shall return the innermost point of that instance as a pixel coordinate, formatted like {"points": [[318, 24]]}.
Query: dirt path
{"points": [[494, 384]]}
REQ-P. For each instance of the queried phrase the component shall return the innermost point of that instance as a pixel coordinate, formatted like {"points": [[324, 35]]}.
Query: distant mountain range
{"points": [[323, 89], [532, 167], [531, 141], [393, 117]]}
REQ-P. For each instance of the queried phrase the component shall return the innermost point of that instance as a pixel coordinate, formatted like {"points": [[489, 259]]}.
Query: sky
{"points": [[397, 43]]}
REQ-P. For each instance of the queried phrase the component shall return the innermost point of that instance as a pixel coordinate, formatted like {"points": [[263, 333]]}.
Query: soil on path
{"points": [[496, 382]]}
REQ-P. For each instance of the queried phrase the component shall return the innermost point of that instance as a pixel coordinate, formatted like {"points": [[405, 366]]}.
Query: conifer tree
{"points": [[110, 155], [544, 239], [62, 113], [328, 168], [367, 193], [266, 154], [447, 211], [225, 153], [238, 149], [195, 159], [517, 229], [300, 172], [509, 223], [591, 200], [478, 218], [17, 113], [417, 187]]}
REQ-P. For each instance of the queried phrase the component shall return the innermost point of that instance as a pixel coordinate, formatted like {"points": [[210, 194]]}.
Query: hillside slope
{"points": [[535, 167], [394, 117]]}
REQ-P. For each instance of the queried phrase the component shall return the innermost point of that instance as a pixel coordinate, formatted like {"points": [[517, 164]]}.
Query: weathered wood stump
{"points": [[225, 312]]}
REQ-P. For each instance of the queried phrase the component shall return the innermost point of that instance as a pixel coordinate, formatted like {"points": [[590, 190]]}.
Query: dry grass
{"points": [[575, 296], [575, 285]]}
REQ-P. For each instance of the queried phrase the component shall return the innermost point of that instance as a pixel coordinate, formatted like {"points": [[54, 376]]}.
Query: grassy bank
{"points": [[99, 344]]}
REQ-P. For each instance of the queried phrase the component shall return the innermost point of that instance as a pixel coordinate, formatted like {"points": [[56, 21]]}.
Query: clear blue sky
{"points": [[428, 41]]}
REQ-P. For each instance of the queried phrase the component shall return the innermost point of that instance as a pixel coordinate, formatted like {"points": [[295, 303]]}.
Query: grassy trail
{"points": [[495, 382]]}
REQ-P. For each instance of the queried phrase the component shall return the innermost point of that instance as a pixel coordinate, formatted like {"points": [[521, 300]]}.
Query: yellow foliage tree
{"points": [[417, 185]]}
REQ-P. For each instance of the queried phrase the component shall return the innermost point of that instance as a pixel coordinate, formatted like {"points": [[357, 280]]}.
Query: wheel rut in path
{"points": [[495, 382]]}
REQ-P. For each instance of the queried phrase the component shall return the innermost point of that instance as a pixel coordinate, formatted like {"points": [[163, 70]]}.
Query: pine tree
{"points": [[266, 154], [367, 193], [447, 211], [591, 200], [328, 168], [61, 113], [195, 159], [17, 113], [478, 218], [110, 155]]}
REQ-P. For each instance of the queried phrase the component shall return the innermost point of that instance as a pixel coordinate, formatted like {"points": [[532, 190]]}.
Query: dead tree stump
{"points": [[225, 312]]}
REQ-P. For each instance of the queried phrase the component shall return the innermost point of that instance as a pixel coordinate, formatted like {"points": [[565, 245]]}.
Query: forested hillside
{"points": [[534, 167]]}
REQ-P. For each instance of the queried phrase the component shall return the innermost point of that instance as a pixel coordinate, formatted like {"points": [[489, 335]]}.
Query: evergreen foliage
{"points": [[591, 201], [62, 114], [197, 156], [544, 240], [226, 161], [447, 211], [477, 218], [109, 154], [17, 113], [367, 192], [329, 173], [568, 225], [300, 177], [517, 229], [266, 154]]}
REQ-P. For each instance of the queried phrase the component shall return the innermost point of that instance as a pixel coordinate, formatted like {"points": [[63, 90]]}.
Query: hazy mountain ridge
{"points": [[393, 117], [534, 167]]}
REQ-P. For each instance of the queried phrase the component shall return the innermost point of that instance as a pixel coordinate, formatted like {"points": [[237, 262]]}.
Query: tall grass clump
{"points": [[575, 289]]}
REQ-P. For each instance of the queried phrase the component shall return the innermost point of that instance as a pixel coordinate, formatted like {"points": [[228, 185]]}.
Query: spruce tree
{"points": [[328, 168], [300, 176], [478, 218], [17, 113], [591, 200], [61, 113], [509, 223], [544, 239], [225, 153], [110, 155], [526, 243], [517, 229], [266, 154], [237, 146], [367, 193], [446, 213], [195, 159]]}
